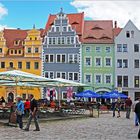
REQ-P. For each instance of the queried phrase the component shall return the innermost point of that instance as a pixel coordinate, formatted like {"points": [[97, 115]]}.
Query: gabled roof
{"points": [[101, 30], [76, 20], [12, 35]]}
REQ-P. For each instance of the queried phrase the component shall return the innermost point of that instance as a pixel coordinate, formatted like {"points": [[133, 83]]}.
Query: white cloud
{"points": [[3, 11], [121, 11], [5, 26]]}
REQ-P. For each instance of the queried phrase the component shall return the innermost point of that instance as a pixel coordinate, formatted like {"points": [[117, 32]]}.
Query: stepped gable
{"points": [[76, 20]]}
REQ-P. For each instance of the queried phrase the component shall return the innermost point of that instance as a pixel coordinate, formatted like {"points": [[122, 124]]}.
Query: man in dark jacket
{"points": [[137, 111], [33, 114], [128, 104]]}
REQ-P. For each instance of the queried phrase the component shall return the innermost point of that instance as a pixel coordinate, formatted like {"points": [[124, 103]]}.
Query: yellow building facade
{"points": [[20, 50]]}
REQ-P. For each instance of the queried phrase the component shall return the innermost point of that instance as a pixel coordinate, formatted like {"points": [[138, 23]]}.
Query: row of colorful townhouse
{"points": [[94, 52]]}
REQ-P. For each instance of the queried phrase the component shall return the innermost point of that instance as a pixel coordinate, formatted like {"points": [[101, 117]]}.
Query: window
{"points": [[119, 48], [58, 58], [0, 50], [36, 65], [119, 81], [35, 38], [87, 49], [57, 29], [58, 75], [15, 51], [53, 40], [52, 29], [30, 38], [11, 51], [50, 40], [72, 40], [24, 96], [125, 63], [36, 50], [19, 51], [69, 29], [119, 63], [108, 79], [108, 61], [75, 58], [136, 47], [16, 42], [64, 29], [108, 49], [29, 50], [64, 95], [132, 34], [124, 47], [88, 61], [63, 58], [63, 40], [70, 58], [136, 81], [2, 65], [19, 65], [125, 81], [63, 75], [59, 40], [98, 79], [64, 21], [49, 74], [27, 65], [88, 78], [49, 58], [68, 40], [98, 49], [136, 63], [57, 21], [73, 76], [11, 65], [128, 34], [70, 76], [98, 61]]}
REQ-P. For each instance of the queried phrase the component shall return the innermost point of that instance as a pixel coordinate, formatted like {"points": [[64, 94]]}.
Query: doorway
{"points": [[10, 97]]}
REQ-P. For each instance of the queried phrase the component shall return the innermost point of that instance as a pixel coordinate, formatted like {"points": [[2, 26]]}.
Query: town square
{"points": [[69, 69]]}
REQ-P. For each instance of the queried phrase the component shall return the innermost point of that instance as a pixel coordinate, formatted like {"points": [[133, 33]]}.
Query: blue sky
{"points": [[26, 13]]}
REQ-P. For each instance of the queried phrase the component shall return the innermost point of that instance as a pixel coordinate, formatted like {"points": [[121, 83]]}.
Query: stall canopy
{"points": [[114, 95], [88, 94]]}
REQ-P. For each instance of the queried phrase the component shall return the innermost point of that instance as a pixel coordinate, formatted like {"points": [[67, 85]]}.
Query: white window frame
{"points": [[90, 78], [73, 76], [60, 58], [49, 58], [110, 61], [61, 74], [110, 78], [49, 73], [106, 49], [96, 49], [73, 57], [95, 61], [90, 61], [89, 49], [95, 78], [38, 50]]}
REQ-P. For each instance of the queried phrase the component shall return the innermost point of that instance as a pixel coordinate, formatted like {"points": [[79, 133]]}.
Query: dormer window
{"points": [[69, 28], [128, 34], [64, 29], [16, 42], [57, 29]]}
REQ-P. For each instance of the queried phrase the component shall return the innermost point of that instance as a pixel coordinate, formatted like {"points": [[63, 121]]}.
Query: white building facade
{"points": [[127, 60]]}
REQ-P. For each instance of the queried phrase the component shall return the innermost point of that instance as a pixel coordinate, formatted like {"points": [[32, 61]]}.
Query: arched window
{"points": [[11, 64]]}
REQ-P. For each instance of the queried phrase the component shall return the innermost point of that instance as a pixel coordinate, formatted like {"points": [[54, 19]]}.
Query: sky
{"points": [[24, 13]]}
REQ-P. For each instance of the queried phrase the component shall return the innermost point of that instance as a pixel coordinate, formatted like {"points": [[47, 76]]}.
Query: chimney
{"points": [[115, 23]]}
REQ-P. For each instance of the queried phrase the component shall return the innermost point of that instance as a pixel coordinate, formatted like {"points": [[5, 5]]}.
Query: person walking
{"points": [[113, 107], [136, 121], [33, 114], [118, 106], [19, 111], [128, 104], [137, 111]]}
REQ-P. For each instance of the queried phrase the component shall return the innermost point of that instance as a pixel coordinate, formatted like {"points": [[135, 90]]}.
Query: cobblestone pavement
{"points": [[104, 128]]}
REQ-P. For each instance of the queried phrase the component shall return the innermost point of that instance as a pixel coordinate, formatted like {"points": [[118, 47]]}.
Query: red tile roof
{"points": [[98, 31], [76, 20], [116, 31], [12, 35]]}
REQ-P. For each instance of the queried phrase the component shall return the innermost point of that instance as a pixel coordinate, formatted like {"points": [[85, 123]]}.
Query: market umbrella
{"points": [[114, 95], [20, 76], [88, 94]]}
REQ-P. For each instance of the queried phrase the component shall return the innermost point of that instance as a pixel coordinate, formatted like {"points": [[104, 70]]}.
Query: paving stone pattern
{"points": [[104, 128]]}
